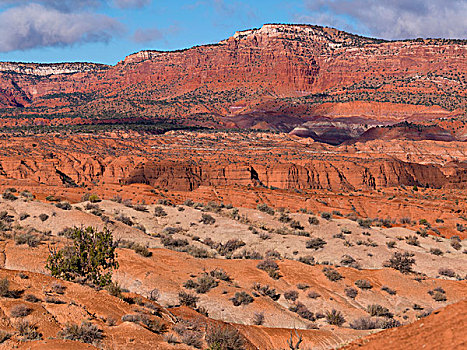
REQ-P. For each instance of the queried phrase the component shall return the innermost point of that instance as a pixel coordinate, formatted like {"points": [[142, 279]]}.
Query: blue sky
{"points": [[106, 31]]}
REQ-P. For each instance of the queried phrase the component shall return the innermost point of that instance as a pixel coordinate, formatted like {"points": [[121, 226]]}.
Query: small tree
{"points": [[91, 257]]}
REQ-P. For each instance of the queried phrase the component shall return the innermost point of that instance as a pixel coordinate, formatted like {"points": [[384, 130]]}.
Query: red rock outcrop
{"points": [[308, 65]]}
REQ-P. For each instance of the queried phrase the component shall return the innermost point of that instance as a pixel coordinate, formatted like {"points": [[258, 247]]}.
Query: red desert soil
{"points": [[444, 329]]}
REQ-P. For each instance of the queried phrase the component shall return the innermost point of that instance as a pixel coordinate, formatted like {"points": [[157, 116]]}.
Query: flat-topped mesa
{"points": [[141, 56], [51, 68], [331, 36]]}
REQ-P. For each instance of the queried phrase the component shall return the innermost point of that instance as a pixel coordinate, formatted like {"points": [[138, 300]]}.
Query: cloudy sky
{"points": [[108, 30]]}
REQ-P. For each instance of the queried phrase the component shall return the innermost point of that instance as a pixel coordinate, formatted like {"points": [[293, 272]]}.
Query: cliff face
{"points": [[334, 175], [292, 65], [340, 175]]}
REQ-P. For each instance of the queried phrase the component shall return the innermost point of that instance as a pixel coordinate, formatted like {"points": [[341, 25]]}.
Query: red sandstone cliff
{"points": [[306, 65]]}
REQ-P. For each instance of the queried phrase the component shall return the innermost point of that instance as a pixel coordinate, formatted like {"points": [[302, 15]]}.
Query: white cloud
{"points": [[34, 25], [397, 19]]}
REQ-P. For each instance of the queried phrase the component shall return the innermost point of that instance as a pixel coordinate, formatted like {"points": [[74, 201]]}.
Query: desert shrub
{"points": [[438, 296], [20, 311], [171, 339], [154, 295], [155, 325], [84, 333], [363, 323], [138, 248], [291, 295], [347, 260], [189, 203], [351, 292], [187, 299], [313, 295], [241, 298], [224, 338], [52, 198], [270, 267], [23, 216], [391, 244], [131, 318], [378, 310], [447, 272], [249, 254], [327, 216], [387, 323], [266, 290], [301, 310], [313, 220], [265, 209], [436, 251], [117, 199], [207, 219], [332, 274], [90, 206], [192, 339], [159, 212], [4, 336], [8, 195], [4, 287], [5, 290], [125, 219], [140, 207], [296, 225], [308, 259], [91, 257], [205, 283], [423, 222], [315, 243], [388, 290], [172, 230], [43, 217], [303, 286], [165, 202], [412, 240], [258, 318], [405, 220], [273, 254], [197, 252], [28, 330], [94, 198], [284, 218], [339, 235], [63, 205], [229, 247], [455, 244], [365, 222], [190, 332], [335, 318], [363, 284], [27, 238], [220, 274], [58, 288], [401, 261], [172, 243], [114, 290], [53, 300], [31, 298]]}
